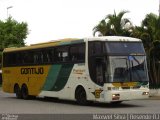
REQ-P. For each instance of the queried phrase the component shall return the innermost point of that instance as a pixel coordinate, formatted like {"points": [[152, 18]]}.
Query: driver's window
{"points": [[99, 71]]}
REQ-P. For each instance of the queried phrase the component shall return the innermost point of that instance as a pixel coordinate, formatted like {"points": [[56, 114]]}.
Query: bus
{"points": [[108, 69]]}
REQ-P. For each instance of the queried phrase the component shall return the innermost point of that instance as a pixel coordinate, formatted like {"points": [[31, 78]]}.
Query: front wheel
{"points": [[116, 102], [81, 97]]}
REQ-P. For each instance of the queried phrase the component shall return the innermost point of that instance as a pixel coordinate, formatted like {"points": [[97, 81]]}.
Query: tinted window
{"points": [[77, 53], [95, 48], [48, 55], [124, 48], [60, 54]]}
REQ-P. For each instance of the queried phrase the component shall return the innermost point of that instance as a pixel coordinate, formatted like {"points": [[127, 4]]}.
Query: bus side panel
{"points": [[9, 79], [33, 76]]}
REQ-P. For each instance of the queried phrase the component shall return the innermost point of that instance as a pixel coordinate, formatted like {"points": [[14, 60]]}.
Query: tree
{"points": [[114, 24], [152, 24], [149, 32], [12, 33], [103, 28]]}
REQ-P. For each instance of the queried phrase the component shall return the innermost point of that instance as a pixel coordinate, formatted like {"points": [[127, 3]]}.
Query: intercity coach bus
{"points": [[100, 69]]}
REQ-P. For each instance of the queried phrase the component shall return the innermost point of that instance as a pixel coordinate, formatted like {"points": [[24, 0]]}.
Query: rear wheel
{"points": [[17, 91], [81, 97], [24, 91]]}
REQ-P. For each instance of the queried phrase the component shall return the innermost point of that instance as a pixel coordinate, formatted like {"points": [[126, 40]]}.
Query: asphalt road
{"points": [[9, 104]]}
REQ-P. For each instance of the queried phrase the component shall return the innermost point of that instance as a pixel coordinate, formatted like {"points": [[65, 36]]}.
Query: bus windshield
{"points": [[117, 61], [124, 48], [127, 69]]}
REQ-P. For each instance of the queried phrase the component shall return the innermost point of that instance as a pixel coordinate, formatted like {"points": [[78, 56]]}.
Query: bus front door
{"points": [[100, 76]]}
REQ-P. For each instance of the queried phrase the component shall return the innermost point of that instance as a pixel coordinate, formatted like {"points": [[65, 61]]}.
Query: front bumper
{"points": [[124, 95]]}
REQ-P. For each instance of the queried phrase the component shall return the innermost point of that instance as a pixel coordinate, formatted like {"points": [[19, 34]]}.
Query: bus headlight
{"points": [[115, 96], [145, 93]]}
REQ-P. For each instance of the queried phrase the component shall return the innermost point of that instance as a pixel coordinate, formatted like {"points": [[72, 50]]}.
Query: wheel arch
{"points": [[15, 85], [79, 87], [25, 85]]}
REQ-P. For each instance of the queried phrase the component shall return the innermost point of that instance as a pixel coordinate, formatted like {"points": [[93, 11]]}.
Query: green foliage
{"points": [[102, 27], [114, 24], [149, 32], [12, 33]]}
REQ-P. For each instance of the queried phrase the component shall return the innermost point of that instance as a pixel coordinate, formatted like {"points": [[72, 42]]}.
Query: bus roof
{"points": [[114, 38], [45, 44], [67, 41]]}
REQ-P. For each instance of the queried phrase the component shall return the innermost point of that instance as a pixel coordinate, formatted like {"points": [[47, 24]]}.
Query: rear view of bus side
{"points": [[100, 69]]}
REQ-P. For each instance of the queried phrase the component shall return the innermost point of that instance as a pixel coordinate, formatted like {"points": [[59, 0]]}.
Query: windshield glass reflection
{"points": [[128, 68]]}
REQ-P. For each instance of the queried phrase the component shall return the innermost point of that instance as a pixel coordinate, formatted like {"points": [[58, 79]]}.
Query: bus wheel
{"points": [[116, 102], [80, 96], [17, 91], [24, 91]]}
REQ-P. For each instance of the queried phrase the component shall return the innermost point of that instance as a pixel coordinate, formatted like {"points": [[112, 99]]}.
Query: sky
{"points": [[57, 19]]}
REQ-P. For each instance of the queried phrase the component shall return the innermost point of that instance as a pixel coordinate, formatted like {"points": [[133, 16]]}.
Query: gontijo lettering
{"points": [[39, 70]]}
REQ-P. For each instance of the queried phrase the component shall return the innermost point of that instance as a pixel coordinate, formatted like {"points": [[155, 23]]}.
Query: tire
{"points": [[80, 96], [17, 91], [116, 102], [24, 92]]}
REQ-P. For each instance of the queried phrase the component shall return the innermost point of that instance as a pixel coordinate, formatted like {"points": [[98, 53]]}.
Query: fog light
{"points": [[115, 96], [145, 93]]}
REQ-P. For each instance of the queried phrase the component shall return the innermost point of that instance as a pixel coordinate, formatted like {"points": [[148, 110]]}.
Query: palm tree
{"points": [[114, 24], [149, 32], [103, 28], [152, 23], [118, 24]]}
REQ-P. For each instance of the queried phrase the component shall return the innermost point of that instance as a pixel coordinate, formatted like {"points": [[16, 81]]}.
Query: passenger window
{"points": [[77, 53], [62, 54]]}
